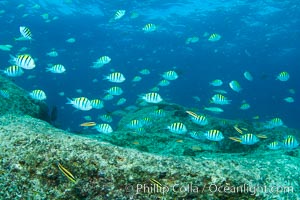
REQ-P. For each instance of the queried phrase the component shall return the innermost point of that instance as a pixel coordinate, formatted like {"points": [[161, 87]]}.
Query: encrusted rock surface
{"points": [[19, 101], [30, 151]]}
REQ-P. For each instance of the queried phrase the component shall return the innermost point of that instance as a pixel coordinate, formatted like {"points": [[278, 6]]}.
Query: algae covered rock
{"points": [[31, 150], [15, 100]]}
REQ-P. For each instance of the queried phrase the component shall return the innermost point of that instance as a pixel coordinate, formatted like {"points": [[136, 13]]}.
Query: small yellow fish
{"points": [[262, 136], [135, 142], [179, 141], [191, 113], [68, 174], [235, 139], [155, 182], [238, 129], [87, 124]]}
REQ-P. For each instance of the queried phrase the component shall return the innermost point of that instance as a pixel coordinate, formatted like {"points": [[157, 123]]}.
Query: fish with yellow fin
{"points": [[88, 124], [66, 172]]}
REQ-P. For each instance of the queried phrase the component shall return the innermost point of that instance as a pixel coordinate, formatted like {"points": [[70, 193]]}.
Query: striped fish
{"points": [[104, 128], [249, 139], [25, 61], [115, 91], [178, 128], [57, 69], [66, 172], [25, 32], [290, 142], [13, 71], [214, 135], [214, 37], [274, 145], [219, 99], [170, 75], [283, 76], [97, 103], [39, 95], [80, 103], [152, 97], [106, 118], [119, 14], [115, 77], [135, 124], [149, 28]]}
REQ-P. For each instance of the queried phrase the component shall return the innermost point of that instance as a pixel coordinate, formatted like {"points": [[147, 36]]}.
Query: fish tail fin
{"points": [[69, 101]]}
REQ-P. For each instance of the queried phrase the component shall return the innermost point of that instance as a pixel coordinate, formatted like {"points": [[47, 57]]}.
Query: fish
{"points": [[158, 113], [104, 128], [121, 101], [245, 106], [80, 103], [193, 39], [152, 97], [66, 172], [170, 75], [25, 32], [198, 119], [216, 82], [247, 139], [115, 77], [214, 109], [178, 128], [273, 123], [149, 28], [220, 91], [214, 135], [135, 124], [13, 71], [283, 76], [238, 129], [198, 135], [248, 76], [136, 79], [56, 69], [155, 182], [119, 14], [289, 99], [146, 121], [103, 60], [39, 95], [97, 103], [108, 97], [235, 86], [115, 91], [88, 124], [214, 37], [274, 145], [52, 53], [71, 40], [5, 47], [25, 61], [164, 83], [106, 118], [219, 99], [144, 72], [290, 142]]}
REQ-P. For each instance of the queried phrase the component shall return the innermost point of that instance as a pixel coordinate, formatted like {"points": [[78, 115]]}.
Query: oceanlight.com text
{"points": [[207, 188]]}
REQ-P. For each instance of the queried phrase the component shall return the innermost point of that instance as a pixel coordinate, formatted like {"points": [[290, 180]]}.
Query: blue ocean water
{"points": [[261, 37]]}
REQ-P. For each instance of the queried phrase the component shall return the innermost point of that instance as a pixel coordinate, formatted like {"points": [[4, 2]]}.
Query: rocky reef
{"points": [[31, 149], [39, 161], [14, 99]]}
